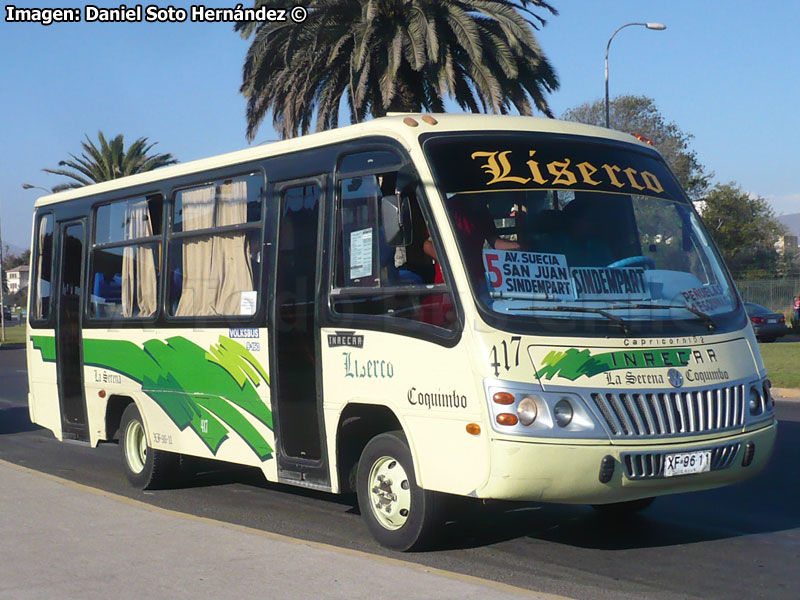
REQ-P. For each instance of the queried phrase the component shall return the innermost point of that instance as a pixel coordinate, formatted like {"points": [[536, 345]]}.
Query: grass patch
{"points": [[15, 335], [783, 363]]}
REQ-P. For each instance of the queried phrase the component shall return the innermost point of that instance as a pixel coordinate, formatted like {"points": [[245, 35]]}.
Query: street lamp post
{"points": [[28, 186], [654, 26]]}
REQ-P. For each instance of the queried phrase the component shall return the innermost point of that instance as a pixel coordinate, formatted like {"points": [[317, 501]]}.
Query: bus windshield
{"points": [[575, 236]]}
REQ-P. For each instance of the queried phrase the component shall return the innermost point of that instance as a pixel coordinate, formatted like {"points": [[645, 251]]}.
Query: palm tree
{"points": [[394, 55], [109, 161]]}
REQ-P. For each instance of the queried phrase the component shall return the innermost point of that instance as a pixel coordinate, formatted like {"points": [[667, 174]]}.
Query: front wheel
{"points": [[145, 467], [399, 514]]}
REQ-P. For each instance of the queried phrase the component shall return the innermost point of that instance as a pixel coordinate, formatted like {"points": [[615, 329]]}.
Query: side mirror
{"points": [[396, 220]]}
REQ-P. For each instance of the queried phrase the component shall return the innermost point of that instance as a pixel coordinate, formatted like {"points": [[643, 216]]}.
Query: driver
{"points": [[585, 238]]}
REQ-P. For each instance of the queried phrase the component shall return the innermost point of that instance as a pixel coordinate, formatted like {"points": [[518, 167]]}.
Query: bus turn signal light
{"points": [[503, 398], [507, 419], [474, 429]]}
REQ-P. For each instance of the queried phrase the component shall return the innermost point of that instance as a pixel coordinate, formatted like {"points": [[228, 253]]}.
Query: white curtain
{"points": [[230, 265], [198, 292], [216, 268], [138, 272]]}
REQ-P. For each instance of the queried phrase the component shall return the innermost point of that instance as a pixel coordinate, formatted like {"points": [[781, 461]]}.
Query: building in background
{"points": [[786, 244], [17, 278]]}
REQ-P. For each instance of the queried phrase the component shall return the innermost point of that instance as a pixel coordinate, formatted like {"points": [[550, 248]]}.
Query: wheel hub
{"points": [[135, 446], [390, 493]]}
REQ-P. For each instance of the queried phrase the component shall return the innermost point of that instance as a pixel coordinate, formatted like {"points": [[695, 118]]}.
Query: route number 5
{"points": [[493, 269]]}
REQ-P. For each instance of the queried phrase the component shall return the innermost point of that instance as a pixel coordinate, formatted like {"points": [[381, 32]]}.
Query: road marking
{"points": [[285, 538]]}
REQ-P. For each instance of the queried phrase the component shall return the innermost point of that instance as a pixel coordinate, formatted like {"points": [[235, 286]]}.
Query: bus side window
{"points": [[43, 263], [126, 259], [370, 276], [214, 249]]}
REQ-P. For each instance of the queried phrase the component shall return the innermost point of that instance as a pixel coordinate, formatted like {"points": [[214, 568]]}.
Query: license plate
{"points": [[686, 463], [772, 320]]}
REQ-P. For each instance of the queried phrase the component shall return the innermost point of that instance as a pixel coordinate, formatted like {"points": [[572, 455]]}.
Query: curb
{"points": [[420, 568], [790, 393]]}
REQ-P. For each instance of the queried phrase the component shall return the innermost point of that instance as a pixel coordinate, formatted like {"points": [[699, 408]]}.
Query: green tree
{"points": [[745, 230], [108, 161], [11, 261], [640, 115], [394, 55]]}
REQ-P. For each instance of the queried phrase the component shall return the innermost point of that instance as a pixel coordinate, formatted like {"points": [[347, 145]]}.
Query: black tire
{"points": [[419, 526], [158, 468], [623, 509]]}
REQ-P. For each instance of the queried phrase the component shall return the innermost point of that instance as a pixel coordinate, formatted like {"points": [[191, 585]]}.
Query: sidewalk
{"points": [[59, 539]]}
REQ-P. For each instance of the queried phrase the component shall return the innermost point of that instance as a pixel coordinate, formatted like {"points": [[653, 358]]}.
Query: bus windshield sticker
{"points": [[248, 300], [489, 162], [527, 274], [603, 283], [361, 253], [709, 299], [565, 172]]}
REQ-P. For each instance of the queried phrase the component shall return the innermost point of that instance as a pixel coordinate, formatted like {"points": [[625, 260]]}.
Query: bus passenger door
{"points": [[69, 344], [295, 353]]}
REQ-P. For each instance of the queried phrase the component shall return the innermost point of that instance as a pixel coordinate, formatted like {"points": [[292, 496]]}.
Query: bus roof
{"points": [[392, 126]]}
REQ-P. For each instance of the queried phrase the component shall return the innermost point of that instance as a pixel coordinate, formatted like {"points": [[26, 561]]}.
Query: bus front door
{"points": [[69, 345], [295, 371]]}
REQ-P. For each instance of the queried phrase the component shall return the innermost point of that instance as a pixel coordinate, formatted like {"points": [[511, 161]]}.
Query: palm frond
{"points": [[381, 55]]}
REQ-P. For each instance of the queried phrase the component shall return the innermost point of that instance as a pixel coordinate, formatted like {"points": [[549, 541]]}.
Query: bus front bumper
{"points": [[549, 472]]}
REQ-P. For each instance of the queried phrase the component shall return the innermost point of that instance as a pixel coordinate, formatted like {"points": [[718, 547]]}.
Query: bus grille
{"points": [[672, 413], [650, 465]]}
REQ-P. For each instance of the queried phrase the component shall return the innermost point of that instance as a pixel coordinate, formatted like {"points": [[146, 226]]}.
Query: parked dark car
{"points": [[6, 314], [769, 326]]}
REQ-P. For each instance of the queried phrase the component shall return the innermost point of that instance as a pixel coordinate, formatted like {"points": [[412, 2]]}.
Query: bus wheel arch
{"points": [[115, 406], [358, 424], [145, 467]]}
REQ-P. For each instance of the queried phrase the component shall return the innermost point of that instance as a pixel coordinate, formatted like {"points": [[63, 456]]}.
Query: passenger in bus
{"points": [[474, 228]]}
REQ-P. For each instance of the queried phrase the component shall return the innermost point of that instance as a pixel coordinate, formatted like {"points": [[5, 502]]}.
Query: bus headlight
{"points": [[527, 411], [754, 401], [562, 412]]}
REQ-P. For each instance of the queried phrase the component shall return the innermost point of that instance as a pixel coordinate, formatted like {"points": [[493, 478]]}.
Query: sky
{"points": [[725, 71]]}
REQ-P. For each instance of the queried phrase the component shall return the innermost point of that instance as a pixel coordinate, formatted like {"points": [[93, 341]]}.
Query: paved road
{"points": [[738, 542]]}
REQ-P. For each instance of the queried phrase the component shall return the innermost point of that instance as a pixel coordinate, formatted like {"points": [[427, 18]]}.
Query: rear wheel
{"points": [[399, 514], [621, 509], [145, 467]]}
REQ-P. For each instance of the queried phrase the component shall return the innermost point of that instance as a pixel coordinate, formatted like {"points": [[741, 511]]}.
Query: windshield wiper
{"points": [[582, 309], [709, 322]]}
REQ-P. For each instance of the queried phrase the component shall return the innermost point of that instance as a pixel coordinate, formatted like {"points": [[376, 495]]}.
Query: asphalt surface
{"points": [[742, 541]]}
